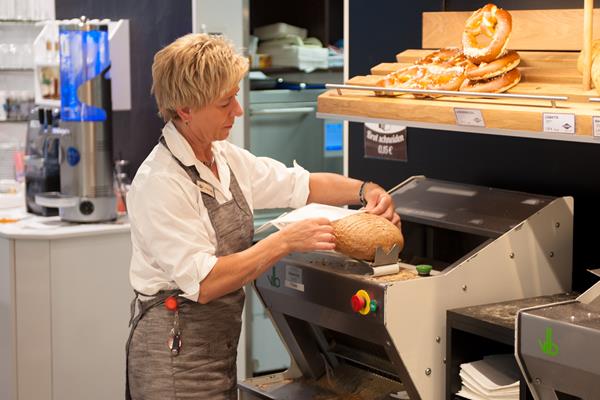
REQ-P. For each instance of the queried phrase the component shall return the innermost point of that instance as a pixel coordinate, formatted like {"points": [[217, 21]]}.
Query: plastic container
{"points": [[83, 56], [279, 30]]}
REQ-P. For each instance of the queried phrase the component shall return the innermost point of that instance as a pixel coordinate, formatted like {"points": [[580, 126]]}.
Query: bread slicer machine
{"points": [[353, 335], [558, 347]]}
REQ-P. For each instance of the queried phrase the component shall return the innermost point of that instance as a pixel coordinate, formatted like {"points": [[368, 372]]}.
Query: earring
{"points": [[187, 122]]}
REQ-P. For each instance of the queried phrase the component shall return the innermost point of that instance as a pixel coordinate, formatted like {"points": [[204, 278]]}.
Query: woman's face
{"points": [[214, 121]]}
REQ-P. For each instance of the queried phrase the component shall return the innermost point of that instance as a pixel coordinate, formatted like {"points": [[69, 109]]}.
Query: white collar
{"points": [[181, 149]]}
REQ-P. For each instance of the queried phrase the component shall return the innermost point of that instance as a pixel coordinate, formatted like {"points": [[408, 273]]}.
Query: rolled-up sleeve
{"points": [[276, 186], [166, 221]]}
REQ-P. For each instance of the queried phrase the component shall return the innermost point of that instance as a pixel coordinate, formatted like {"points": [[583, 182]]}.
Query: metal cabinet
{"points": [[283, 126]]}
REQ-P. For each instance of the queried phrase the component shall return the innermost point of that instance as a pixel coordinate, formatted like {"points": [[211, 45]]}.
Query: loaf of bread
{"points": [[595, 73], [359, 235], [595, 52]]}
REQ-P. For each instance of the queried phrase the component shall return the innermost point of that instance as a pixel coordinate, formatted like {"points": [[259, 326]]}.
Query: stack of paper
{"points": [[313, 210], [288, 46], [493, 378]]}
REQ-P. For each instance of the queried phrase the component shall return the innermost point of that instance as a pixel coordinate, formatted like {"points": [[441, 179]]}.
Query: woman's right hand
{"points": [[308, 235]]}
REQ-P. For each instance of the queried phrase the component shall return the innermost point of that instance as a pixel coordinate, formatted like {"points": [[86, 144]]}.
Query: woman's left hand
{"points": [[379, 202]]}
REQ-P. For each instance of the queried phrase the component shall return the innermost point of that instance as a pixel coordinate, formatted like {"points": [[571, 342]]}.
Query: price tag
{"points": [[559, 123], [596, 126], [469, 117], [293, 278]]}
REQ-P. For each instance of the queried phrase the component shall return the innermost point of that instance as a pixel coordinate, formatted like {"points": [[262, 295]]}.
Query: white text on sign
{"points": [[385, 141]]}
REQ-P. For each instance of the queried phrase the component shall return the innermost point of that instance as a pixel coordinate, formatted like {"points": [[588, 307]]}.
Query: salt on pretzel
{"points": [[425, 76], [491, 22]]}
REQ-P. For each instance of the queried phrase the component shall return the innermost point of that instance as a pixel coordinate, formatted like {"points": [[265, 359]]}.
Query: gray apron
{"points": [[205, 368]]}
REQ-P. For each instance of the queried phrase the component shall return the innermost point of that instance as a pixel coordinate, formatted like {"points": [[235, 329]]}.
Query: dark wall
{"points": [[322, 18], [537, 166], [152, 25]]}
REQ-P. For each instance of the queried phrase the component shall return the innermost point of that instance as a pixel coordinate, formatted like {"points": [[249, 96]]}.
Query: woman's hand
{"points": [[308, 235], [379, 202]]}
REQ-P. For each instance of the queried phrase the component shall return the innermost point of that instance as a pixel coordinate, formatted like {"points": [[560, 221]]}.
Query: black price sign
{"points": [[385, 141]]}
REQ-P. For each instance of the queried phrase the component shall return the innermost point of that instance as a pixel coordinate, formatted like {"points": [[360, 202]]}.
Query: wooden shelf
{"points": [[548, 68], [6, 69], [544, 73]]}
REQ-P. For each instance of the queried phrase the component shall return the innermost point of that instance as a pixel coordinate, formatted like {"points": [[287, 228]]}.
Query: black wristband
{"points": [[361, 193]]}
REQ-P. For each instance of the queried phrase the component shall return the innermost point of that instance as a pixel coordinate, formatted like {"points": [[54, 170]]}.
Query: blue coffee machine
{"points": [[85, 131]]}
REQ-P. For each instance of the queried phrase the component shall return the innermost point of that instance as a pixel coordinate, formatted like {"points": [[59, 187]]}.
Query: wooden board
{"points": [[528, 58], [553, 74], [534, 68], [560, 30], [573, 91], [520, 116]]}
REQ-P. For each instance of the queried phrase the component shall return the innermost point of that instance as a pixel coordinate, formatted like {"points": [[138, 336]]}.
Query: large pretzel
{"points": [[497, 84], [497, 67], [427, 76], [491, 22]]}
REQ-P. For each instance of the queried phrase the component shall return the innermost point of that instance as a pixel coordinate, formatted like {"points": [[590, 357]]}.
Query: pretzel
{"points": [[492, 22], [426, 76], [497, 67], [497, 84]]}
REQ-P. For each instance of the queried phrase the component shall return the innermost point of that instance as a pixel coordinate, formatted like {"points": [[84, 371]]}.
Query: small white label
{"points": [[559, 123], [596, 125], [469, 117], [293, 278]]}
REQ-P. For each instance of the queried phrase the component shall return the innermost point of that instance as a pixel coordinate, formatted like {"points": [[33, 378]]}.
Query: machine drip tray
{"points": [[345, 382]]}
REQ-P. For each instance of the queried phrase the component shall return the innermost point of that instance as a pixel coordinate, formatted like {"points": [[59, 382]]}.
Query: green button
{"points": [[373, 305], [424, 269]]}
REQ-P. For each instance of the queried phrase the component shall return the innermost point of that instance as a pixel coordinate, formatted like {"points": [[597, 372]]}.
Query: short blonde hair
{"points": [[194, 71]]}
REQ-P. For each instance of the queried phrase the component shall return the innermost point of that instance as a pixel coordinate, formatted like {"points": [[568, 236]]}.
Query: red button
{"points": [[171, 303], [358, 303]]}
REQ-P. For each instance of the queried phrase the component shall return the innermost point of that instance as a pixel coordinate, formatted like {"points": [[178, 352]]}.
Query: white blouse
{"points": [[173, 241]]}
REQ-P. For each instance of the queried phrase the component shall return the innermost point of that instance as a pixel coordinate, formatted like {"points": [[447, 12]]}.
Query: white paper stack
{"points": [[495, 377], [289, 47], [313, 210]]}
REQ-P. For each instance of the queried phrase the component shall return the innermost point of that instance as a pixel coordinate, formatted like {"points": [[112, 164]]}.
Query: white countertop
{"points": [[29, 226]]}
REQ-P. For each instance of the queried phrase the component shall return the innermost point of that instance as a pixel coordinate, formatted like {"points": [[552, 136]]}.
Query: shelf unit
{"points": [[545, 72]]}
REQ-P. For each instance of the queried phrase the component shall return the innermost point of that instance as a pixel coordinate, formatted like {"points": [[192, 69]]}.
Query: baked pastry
{"points": [[497, 84], [492, 22], [499, 66], [596, 73], [449, 56], [426, 76], [595, 52], [359, 235]]}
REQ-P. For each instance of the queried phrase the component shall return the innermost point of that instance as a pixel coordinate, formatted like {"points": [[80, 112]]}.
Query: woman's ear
{"points": [[184, 113]]}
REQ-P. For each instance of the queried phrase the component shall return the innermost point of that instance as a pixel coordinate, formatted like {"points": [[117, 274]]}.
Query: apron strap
{"points": [[143, 306]]}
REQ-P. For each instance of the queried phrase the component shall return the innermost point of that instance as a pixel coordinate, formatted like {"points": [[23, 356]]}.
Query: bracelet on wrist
{"points": [[361, 193]]}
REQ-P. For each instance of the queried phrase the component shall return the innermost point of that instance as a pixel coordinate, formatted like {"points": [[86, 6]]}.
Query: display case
{"points": [[550, 102]]}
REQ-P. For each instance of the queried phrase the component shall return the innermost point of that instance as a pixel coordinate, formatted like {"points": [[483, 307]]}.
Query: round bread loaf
{"points": [[595, 52], [596, 74], [359, 235]]}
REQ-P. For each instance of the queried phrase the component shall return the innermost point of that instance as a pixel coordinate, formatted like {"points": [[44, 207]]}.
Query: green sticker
{"points": [[548, 347], [273, 279]]}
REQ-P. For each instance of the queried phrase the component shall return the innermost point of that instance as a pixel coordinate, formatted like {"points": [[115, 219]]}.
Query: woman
{"points": [[191, 225]]}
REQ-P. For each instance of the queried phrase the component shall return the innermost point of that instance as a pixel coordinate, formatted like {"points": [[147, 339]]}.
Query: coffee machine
{"points": [[42, 171], [85, 128]]}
